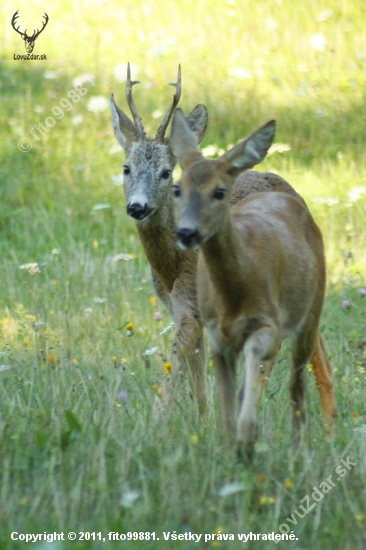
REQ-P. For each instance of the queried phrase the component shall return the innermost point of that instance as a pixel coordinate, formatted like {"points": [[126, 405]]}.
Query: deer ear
{"points": [[197, 121], [251, 151], [124, 128], [182, 141]]}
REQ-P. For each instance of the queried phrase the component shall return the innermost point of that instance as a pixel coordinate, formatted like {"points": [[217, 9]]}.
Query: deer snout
{"points": [[188, 238], [138, 211]]}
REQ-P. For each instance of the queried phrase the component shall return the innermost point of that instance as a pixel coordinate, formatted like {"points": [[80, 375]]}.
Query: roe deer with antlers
{"points": [[260, 274], [147, 173], [148, 179]]}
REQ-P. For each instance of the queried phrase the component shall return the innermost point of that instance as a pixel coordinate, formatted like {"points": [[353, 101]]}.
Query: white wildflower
{"points": [[97, 103], [32, 268], [240, 73], [151, 351], [84, 78], [122, 256], [167, 329], [50, 75], [230, 489], [76, 120], [318, 42], [356, 193], [128, 498]]}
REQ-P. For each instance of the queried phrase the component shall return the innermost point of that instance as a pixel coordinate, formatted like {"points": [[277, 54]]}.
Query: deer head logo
{"points": [[28, 40]]}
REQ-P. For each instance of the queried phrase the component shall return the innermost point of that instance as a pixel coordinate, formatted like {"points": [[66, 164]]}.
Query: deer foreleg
{"points": [[225, 366], [262, 346], [188, 355]]}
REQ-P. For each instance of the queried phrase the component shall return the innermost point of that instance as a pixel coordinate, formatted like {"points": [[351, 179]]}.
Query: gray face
{"points": [[147, 177]]}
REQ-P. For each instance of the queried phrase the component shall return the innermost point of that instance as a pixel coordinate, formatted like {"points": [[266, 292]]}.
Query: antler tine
{"points": [[136, 117], [44, 23], [178, 92], [14, 20]]}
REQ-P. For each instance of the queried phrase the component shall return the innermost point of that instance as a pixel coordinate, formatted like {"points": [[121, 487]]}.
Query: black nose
{"points": [[189, 238], [138, 211]]}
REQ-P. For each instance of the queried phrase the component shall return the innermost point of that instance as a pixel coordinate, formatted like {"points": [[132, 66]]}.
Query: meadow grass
{"points": [[79, 448]]}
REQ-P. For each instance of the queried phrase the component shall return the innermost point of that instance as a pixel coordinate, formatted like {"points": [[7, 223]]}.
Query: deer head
{"points": [[149, 162], [28, 40], [202, 196]]}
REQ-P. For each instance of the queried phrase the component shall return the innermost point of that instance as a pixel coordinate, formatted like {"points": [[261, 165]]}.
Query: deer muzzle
{"points": [[138, 211], [188, 239]]}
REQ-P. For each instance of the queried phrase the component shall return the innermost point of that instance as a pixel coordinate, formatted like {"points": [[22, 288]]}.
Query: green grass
{"points": [[73, 455]]}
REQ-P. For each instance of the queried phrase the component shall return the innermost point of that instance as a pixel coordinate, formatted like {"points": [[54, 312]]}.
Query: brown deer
{"points": [[260, 274], [148, 180]]}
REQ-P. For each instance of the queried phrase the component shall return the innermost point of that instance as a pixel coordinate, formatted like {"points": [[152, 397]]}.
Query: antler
{"points": [[136, 117], [43, 26], [13, 20], [178, 91], [24, 34]]}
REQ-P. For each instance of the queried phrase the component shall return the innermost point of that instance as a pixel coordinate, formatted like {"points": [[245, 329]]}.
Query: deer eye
{"points": [[165, 175], [219, 194], [176, 191], [126, 170]]}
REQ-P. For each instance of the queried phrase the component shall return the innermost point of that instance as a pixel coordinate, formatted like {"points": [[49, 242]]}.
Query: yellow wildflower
{"points": [[288, 483], [266, 500], [167, 367]]}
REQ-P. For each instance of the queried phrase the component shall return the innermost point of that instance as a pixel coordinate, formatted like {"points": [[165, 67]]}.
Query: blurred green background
{"points": [[303, 64]]}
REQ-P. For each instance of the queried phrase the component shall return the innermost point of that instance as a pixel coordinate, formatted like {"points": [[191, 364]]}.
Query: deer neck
{"points": [[225, 259], [157, 235]]}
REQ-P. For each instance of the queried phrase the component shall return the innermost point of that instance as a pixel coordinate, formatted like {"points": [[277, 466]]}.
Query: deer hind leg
{"points": [[262, 346], [324, 380], [302, 347]]}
